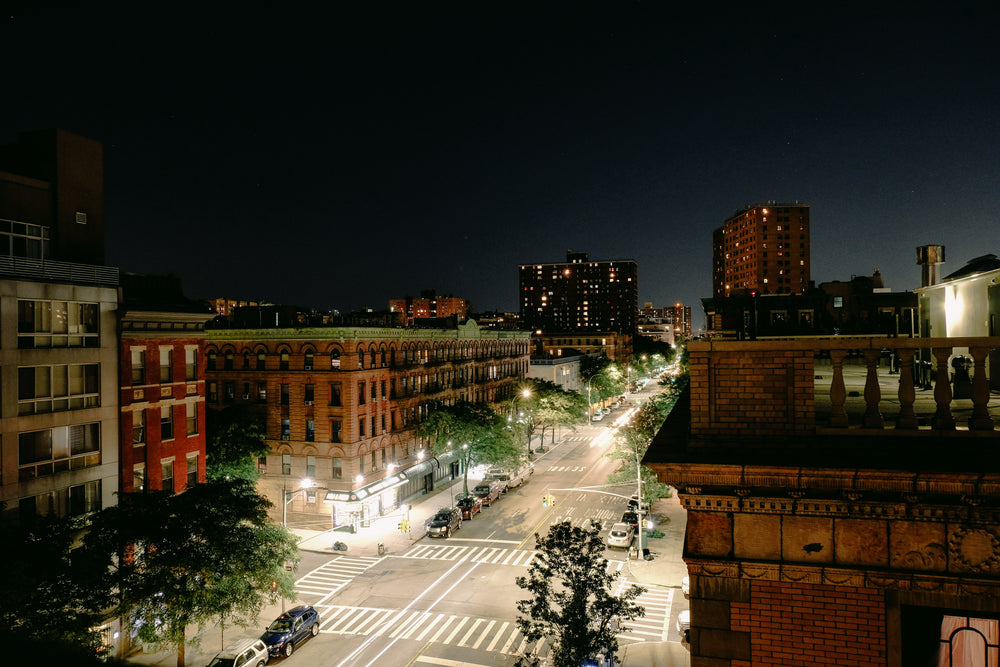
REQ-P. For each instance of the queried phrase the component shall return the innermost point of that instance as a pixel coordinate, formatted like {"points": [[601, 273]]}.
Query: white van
{"points": [[510, 477]]}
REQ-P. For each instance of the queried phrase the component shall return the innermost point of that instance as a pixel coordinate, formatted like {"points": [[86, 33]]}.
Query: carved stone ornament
{"points": [[695, 490], [797, 493], [975, 548], [742, 491]]}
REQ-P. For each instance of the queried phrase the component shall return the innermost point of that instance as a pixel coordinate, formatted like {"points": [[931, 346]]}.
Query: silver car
{"points": [[621, 535], [244, 653]]}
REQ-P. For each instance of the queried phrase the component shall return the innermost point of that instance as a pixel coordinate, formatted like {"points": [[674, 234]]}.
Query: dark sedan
{"points": [[291, 629]]}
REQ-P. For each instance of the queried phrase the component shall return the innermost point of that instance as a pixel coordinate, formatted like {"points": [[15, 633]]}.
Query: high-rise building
{"points": [[58, 330], [762, 248], [580, 295]]}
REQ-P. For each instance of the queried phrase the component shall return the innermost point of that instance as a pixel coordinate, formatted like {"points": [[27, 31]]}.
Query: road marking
{"points": [[444, 662], [499, 634], [484, 635]]}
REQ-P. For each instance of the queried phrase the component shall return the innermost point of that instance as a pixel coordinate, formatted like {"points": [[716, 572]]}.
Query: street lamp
{"points": [[590, 414], [306, 485]]}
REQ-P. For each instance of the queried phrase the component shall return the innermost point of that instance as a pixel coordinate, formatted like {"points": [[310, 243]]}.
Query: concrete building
{"points": [[836, 515], [340, 406], [162, 385], [614, 346], [58, 330], [763, 248], [580, 295], [563, 371]]}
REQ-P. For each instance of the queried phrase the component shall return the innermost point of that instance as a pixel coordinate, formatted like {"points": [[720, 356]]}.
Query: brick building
{"points": [[836, 515], [430, 306], [162, 398], [762, 248], [340, 405]]}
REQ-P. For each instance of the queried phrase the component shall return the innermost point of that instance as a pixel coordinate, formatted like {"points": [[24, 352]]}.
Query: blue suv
{"points": [[291, 629]]}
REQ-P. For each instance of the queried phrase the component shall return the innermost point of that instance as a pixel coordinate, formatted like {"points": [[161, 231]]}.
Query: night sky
{"points": [[338, 160]]}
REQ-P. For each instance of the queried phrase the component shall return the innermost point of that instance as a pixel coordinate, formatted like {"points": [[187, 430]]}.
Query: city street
{"points": [[451, 602]]}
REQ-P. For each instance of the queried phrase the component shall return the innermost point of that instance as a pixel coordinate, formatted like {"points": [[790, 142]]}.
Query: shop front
{"points": [[358, 508]]}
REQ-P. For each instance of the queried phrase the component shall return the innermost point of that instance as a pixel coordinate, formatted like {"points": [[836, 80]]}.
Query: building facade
{"points": [[340, 406], [430, 306], [614, 346], [580, 295], [762, 248], [836, 515], [163, 391]]}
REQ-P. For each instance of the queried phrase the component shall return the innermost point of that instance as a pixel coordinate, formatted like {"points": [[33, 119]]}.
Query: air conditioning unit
{"points": [[286, 436], [308, 367], [308, 403], [246, 397]]}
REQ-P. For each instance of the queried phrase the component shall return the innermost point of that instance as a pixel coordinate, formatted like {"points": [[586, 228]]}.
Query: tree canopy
{"points": [[166, 561], [572, 606], [476, 431], [234, 440]]}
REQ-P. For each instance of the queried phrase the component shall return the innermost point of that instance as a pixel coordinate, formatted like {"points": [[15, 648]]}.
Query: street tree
{"points": [[555, 407], [571, 603], [233, 443], [44, 611], [165, 562], [475, 431]]}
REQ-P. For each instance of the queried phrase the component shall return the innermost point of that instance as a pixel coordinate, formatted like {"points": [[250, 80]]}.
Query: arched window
{"points": [[261, 360], [308, 360], [283, 364], [210, 360], [229, 360], [335, 359]]}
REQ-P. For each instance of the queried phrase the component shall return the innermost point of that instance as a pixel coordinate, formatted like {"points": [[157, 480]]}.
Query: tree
{"points": [[476, 431], [554, 406], [167, 561], [234, 441], [571, 604], [43, 606]]}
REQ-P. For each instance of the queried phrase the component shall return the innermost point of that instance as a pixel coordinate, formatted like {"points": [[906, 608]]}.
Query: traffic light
{"points": [[404, 526], [548, 500], [399, 527]]}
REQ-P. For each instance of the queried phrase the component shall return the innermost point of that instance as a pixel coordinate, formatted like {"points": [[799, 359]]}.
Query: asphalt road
{"points": [[451, 602]]}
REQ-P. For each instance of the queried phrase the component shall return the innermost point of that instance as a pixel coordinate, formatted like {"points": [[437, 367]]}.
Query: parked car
{"points": [[621, 535], [444, 522], [291, 629], [686, 587], [598, 416], [632, 519], [244, 653], [684, 624], [488, 491], [470, 506]]}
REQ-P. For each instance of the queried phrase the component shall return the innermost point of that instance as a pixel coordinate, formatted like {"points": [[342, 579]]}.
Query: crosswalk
{"points": [[478, 633], [491, 555], [333, 575], [473, 554], [566, 469]]}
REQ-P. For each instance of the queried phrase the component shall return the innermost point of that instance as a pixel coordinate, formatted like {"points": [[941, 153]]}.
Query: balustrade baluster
{"points": [[980, 419], [907, 395], [838, 394], [873, 392], [943, 418]]}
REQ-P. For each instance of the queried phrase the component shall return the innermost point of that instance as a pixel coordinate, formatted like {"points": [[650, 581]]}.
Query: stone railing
{"points": [[802, 386]]}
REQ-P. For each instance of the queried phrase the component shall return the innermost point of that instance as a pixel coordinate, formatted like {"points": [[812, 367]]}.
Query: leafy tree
{"points": [[572, 605], [476, 431], [554, 406], [234, 442], [169, 561], [43, 605]]}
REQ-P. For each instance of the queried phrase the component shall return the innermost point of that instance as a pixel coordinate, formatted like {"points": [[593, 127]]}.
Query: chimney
{"points": [[930, 257]]}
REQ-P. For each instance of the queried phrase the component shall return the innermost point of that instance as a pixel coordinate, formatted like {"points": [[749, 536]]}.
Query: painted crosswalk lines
{"points": [[333, 575], [477, 554]]}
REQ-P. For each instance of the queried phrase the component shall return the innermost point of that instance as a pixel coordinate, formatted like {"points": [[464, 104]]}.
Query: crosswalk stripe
{"points": [[499, 634], [484, 635], [471, 630]]}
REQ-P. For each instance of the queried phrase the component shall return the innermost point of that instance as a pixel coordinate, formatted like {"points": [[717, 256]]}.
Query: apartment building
{"points": [[340, 406], [763, 248]]}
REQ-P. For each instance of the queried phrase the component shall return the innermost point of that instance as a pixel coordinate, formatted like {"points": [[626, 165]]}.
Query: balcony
{"points": [[844, 403]]}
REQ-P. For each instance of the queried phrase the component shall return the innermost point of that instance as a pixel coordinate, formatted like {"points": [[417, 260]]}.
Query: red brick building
{"points": [[430, 306], [837, 515], [762, 248], [162, 400]]}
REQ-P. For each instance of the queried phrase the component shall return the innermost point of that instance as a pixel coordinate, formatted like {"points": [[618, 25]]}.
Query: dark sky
{"points": [[338, 160]]}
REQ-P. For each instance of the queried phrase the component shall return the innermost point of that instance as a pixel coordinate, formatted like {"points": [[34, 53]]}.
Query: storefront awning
{"points": [[390, 482]]}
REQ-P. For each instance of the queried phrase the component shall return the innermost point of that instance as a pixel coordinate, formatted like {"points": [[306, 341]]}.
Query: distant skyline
{"points": [[342, 160]]}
